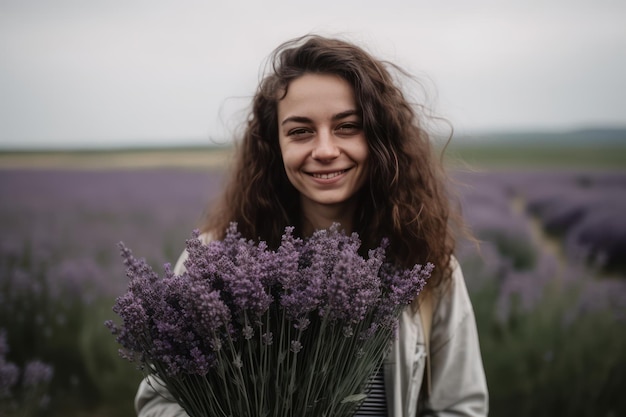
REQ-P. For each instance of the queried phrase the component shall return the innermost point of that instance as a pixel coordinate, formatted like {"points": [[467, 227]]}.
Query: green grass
{"points": [[516, 156], [553, 359]]}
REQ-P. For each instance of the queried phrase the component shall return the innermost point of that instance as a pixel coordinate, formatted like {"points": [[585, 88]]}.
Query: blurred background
{"points": [[116, 124]]}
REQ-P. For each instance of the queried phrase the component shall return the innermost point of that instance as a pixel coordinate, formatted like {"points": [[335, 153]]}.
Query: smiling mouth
{"points": [[328, 175]]}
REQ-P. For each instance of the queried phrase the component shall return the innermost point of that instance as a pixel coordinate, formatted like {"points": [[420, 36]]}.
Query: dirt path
{"points": [[544, 242]]}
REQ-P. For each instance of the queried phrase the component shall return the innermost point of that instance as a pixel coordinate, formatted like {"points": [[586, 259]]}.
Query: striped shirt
{"points": [[376, 402]]}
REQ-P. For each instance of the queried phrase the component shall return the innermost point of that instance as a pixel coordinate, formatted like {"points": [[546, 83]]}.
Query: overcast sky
{"points": [[129, 72]]}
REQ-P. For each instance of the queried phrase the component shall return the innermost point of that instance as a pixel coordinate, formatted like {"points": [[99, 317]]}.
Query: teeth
{"points": [[330, 175]]}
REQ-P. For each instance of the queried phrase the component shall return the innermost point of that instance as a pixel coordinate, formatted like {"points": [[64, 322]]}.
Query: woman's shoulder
{"points": [[452, 304], [456, 271], [454, 287]]}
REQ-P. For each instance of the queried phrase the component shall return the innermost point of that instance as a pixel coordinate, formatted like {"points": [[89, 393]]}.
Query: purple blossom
{"points": [[302, 323], [237, 362], [296, 346], [267, 338], [352, 289], [9, 375], [524, 289], [404, 285], [183, 323], [247, 332], [201, 363], [205, 308], [400, 287], [600, 237], [9, 372], [301, 279], [36, 373], [137, 270], [241, 268]]}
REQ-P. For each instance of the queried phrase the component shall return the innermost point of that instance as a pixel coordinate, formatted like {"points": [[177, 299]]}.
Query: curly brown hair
{"points": [[405, 197]]}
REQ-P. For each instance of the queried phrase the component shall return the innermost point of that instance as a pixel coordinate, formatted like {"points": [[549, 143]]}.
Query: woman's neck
{"points": [[317, 217]]}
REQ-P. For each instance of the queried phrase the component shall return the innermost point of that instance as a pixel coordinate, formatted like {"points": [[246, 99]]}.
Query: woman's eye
{"points": [[298, 132], [349, 128]]}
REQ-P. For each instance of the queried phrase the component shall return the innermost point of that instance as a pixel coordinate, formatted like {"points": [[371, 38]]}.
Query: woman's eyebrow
{"points": [[296, 119], [303, 119], [345, 114]]}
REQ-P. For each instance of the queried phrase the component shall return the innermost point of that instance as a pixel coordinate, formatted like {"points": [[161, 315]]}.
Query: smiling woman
{"points": [[332, 139]]}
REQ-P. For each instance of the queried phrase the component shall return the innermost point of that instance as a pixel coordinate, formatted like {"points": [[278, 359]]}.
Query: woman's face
{"points": [[322, 142]]}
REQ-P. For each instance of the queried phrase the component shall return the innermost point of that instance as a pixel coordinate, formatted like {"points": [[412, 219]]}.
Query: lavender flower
{"points": [[247, 332], [31, 393], [9, 375], [36, 373], [9, 372], [268, 338], [235, 265], [352, 290], [296, 346], [237, 362], [302, 278], [307, 298]]}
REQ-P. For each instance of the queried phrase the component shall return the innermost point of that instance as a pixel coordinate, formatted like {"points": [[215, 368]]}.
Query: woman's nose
{"points": [[325, 147]]}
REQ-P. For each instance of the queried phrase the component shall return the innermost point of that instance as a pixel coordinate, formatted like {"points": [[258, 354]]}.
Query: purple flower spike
{"points": [[36, 373], [267, 338], [296, 346], [9, 374], [247, 332]]}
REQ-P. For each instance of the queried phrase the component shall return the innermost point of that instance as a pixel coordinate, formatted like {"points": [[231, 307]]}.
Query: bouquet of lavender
{"points": [[249, 331]]}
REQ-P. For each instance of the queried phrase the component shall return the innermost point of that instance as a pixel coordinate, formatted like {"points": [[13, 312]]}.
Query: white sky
{"points": [[131, 72]]}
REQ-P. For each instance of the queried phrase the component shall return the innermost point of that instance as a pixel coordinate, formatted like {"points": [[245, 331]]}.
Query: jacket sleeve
{"points": [[459, 386], [153, 400]]}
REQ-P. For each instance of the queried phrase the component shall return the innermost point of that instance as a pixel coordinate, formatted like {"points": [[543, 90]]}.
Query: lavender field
{"points": [[548, 282]]}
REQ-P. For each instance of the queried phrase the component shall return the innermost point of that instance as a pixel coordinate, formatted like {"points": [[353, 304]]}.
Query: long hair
{"points": [[404, 198]]}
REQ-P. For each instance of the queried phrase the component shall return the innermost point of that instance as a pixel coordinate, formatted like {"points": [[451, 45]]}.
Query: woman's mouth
{"points": [[328, 175]]}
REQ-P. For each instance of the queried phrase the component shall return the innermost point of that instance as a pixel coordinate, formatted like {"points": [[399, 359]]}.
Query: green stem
{"points": [[313, 366], [294, 371], [238, 378]]}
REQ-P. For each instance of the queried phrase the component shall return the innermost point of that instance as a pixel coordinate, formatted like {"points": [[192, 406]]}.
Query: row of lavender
{"points": [[584, 209], [548, 285], [565, 225], [550, 289]]}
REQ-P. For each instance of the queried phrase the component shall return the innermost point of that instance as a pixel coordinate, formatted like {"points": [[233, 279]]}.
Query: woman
{"points": [[331, 138]]}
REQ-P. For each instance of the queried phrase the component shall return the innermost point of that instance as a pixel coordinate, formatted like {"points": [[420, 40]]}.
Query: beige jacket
{"points": [[458, 385]]}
